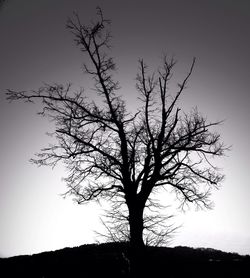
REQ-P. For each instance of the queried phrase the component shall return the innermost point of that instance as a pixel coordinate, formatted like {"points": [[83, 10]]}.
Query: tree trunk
{"points": [[136, 226], [136, 240]]}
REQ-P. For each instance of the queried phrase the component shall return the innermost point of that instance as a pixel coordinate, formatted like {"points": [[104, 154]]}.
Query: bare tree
{"points": [[116, 155]]}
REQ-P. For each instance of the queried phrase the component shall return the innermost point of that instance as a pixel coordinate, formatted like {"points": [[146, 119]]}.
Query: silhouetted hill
{"points": [[111, 260]]}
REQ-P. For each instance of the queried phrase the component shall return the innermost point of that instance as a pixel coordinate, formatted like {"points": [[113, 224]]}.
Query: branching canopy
{"points": [[110, 152]]}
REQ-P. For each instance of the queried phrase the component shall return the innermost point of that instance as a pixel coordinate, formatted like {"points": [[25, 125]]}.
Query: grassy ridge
{"points": [[111, 260]]}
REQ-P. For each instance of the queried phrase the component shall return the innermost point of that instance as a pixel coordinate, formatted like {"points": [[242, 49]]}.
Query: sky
{"points": [[35, 47]]}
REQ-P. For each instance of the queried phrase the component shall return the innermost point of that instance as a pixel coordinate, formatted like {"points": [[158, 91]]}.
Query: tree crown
{"points": [[112, 153]]}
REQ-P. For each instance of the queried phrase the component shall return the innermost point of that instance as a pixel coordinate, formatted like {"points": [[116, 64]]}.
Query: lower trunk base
{"points": [[137, 257]]}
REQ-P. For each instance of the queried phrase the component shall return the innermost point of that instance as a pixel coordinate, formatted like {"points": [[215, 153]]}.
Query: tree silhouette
{"points": [[116, 155]]}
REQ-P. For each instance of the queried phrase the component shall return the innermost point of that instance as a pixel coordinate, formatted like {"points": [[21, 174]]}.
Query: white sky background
{"points": [[35, 47]]}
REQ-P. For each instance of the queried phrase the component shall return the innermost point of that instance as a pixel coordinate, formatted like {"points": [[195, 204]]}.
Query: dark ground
{"points": [[111, 260]]}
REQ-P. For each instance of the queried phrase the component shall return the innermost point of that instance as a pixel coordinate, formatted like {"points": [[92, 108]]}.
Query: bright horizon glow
{"points": [[33, 215]]}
